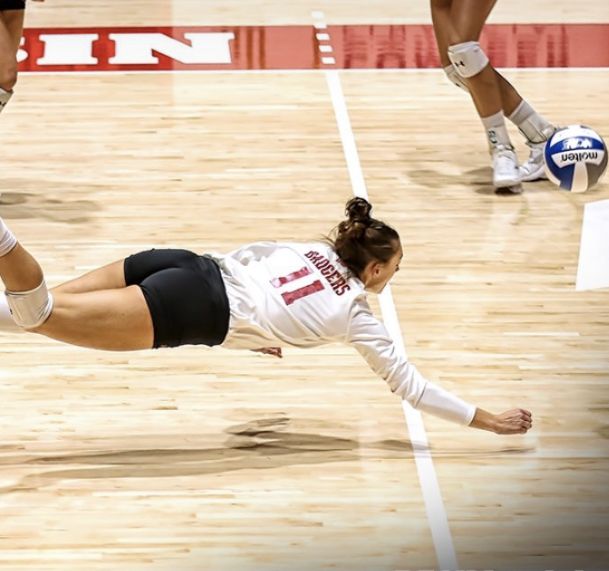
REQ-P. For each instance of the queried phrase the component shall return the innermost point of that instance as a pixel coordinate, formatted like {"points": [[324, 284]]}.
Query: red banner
{"points": [[301, 47]]}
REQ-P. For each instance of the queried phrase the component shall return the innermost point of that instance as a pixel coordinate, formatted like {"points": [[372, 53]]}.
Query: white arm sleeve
{"points": [[371, 339]]}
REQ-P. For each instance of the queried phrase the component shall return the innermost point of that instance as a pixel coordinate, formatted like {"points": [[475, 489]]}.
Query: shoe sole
{"points": [[506, 182]]}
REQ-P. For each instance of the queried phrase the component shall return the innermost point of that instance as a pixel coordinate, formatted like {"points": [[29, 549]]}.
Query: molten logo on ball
{"points": [[576, 158]]}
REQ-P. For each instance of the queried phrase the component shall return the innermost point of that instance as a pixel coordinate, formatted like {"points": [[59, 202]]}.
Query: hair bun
{"points": [[358, 210]]}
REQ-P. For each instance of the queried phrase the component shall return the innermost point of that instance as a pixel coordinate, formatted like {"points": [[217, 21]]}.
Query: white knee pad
{"points": [[454, 77], [30, 308], [468, 58]]}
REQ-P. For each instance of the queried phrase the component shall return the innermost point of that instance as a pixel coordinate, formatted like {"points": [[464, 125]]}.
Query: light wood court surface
{"points": [[194, 459]]}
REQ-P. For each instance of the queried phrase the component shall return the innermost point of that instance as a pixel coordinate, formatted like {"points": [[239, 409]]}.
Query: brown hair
{"points": [[361, 239]]}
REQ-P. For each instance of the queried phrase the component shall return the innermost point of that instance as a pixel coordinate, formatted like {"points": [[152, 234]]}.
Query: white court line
{"points": [[434, 505], [320, 23], [593, 267]]}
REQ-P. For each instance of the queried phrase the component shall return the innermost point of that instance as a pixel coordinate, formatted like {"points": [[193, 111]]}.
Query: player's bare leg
{"points": [[11, 28], [472, 64], [111, 276], [18, 269], [442, 27], [457, 26], [535, 128], [113, 319]]}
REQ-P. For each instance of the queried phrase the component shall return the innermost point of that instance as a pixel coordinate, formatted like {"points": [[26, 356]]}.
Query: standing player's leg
{"points": [[472, 64], [535, 128], [114, 319], [11, 28], [442, 26]]}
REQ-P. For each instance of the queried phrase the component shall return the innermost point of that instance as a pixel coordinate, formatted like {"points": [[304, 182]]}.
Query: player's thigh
{"points": [[468, 18], [131, 271], [117, 319], [110, 276]]}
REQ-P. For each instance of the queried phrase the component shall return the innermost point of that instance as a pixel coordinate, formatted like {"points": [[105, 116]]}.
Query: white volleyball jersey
{"points": [[302, 295]]}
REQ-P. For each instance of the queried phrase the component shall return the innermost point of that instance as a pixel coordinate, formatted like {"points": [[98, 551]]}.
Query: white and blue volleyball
{"points": [[575, 157]]}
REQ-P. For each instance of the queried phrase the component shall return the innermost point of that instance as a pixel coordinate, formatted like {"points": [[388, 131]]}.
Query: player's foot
{"points": [[534, 169], [505, 167]]}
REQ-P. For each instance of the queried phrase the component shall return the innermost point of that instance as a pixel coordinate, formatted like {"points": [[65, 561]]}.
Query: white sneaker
{"points": [[505, 167], [534, 169]]}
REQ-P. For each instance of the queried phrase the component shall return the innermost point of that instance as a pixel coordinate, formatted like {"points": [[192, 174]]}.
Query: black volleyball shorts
{"points": [[12, 5], [185, 294]]}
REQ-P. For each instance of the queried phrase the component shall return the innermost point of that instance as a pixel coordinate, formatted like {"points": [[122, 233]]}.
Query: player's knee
{"points": [[468, 58], [8, 77], [455, 78], [30, 309]]}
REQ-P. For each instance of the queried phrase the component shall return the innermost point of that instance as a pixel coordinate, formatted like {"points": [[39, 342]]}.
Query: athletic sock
{"points": [[531, 124], [496, 131]]}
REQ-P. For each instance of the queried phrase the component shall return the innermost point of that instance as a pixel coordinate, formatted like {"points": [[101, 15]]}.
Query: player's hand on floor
{"points": [[274, 351], [515, 421]]}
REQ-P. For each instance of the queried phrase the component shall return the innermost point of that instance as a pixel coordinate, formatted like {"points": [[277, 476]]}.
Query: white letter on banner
{"points": [[205, 48], [68, 49], [22, 54]]}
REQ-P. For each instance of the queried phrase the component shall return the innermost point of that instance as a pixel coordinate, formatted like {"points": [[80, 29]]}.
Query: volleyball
{"points": [[575, 157]]}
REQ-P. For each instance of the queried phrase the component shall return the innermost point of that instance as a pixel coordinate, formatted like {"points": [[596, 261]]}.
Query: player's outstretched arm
{"points": [[514, 421], [371, 339]]}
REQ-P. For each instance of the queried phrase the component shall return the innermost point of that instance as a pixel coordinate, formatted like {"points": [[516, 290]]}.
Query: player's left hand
{"points": [[274, 351]]}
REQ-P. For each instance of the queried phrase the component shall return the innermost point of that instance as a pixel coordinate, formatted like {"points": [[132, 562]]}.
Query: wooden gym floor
{"points": [[195, 459]]}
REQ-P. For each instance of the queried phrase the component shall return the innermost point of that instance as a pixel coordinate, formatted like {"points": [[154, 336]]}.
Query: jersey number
{"points": [[291, 296]]}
